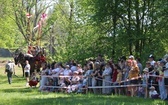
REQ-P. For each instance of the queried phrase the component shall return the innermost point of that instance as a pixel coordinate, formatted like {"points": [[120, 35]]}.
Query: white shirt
{"points": [[12, 65], [107, 71], [67, 72], [152, 93], [152, 63], [56, 70], [27, 68], [74, 68], [145, 76], [75, 78], [80, 70]]}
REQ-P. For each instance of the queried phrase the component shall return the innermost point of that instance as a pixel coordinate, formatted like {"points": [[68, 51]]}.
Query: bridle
{"points": [[19, 59]]}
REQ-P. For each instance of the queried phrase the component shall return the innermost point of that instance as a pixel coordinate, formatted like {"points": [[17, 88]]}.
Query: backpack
{"points": [[9, 68]]}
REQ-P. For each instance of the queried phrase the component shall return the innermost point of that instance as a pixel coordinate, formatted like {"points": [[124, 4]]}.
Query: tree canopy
{"points": [[80, 29]]}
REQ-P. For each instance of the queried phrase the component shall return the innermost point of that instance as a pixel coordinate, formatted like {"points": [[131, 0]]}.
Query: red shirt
{"points": [[114, 75]]}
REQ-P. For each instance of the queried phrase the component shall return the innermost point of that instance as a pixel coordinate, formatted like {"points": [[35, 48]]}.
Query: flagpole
{"points": [[40, 26], [28, 29]]}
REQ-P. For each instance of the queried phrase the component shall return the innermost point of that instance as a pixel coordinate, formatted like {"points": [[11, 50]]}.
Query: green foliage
{"points": [[8, 30], [81, 29], [129, 27]]}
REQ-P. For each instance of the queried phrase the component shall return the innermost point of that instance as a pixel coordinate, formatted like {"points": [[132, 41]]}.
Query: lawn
{"points": [[18, 94]]}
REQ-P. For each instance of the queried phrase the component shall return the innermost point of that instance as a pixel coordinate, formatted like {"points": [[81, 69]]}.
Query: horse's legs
{"points": [[23, 70]]}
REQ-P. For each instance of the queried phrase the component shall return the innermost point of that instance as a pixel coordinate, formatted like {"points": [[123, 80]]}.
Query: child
{"points": [[118, 81], [145, 77], [141, 91], [74, 83], [50, 82], [153, 93], [33, 81]]}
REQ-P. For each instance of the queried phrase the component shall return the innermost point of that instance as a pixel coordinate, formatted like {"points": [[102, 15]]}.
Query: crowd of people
{"points": [[126, 77]]}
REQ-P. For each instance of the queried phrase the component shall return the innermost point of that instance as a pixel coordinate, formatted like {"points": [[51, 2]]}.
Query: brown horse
{"points": [[34, 64]]}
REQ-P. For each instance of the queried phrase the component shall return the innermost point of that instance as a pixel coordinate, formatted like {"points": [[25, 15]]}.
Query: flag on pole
{"points": [[43, 16], [42, 19], [28, 15]]}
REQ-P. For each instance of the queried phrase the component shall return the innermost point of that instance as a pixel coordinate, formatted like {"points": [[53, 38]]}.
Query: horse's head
{"points": [[16, 60], [19, 58], [15, 56]]}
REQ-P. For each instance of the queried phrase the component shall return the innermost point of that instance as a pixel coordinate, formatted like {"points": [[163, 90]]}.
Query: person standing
{"points": [[27, 72], [14, 70], [151, 59], [139, 65], [9, 68], [107, 79], [165, 74], [133, 77]]}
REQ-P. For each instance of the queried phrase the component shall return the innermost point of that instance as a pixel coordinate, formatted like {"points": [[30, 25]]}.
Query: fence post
{"points": [[146, 88]]}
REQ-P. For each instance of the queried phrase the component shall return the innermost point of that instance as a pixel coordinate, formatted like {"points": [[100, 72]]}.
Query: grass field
{"points": [[18, 94]]}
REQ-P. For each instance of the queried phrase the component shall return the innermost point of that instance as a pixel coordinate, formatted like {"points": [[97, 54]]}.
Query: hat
{"points": [[151, 56], [146, 69], [165, 56], [97, 62], [131, 57], [75, 72], [67, 66], [79, 65], [163, 61], [152, 87], [9, 61]]}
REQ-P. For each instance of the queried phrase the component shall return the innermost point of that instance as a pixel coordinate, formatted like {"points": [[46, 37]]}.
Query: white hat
{"points": [[9, 61], [146, 69], [61, 73], [152, 87], [75, 72], [67, 66], [131, 56]]}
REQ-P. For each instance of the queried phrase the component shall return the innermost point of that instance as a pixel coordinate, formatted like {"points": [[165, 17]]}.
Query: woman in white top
{"points": [[107, 79], [74, 82], [27, 72], [44, 79], [67, 71]]}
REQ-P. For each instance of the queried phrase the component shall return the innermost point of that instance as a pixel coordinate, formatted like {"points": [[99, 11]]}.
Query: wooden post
{"points": [[146, 89]]}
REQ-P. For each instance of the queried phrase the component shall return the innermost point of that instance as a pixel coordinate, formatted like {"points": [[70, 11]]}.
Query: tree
{"points": [[30, 18], [8, 31], [130, 26]]}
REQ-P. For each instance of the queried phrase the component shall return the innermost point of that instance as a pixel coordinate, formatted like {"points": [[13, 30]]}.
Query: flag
{"points": [[43, 16], [28, 15]]}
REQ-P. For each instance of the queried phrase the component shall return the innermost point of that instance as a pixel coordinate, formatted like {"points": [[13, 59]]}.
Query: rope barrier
{"points": [[120, 85], [98, 86], [127, 80]]}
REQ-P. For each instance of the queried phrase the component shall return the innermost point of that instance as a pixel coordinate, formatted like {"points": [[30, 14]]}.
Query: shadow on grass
{"points": [[75, 99], [15, 79], [28, 96], [18, 90]]}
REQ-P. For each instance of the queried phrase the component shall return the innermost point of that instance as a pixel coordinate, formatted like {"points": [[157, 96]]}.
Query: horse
{"points": [[34, 64]]}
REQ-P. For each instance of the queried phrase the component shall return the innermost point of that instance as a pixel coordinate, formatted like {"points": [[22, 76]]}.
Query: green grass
{"points": [[18, 94], [5, 58]]}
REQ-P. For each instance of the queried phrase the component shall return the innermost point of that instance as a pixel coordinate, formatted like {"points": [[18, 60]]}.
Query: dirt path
{"points": [[2, 63]]}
